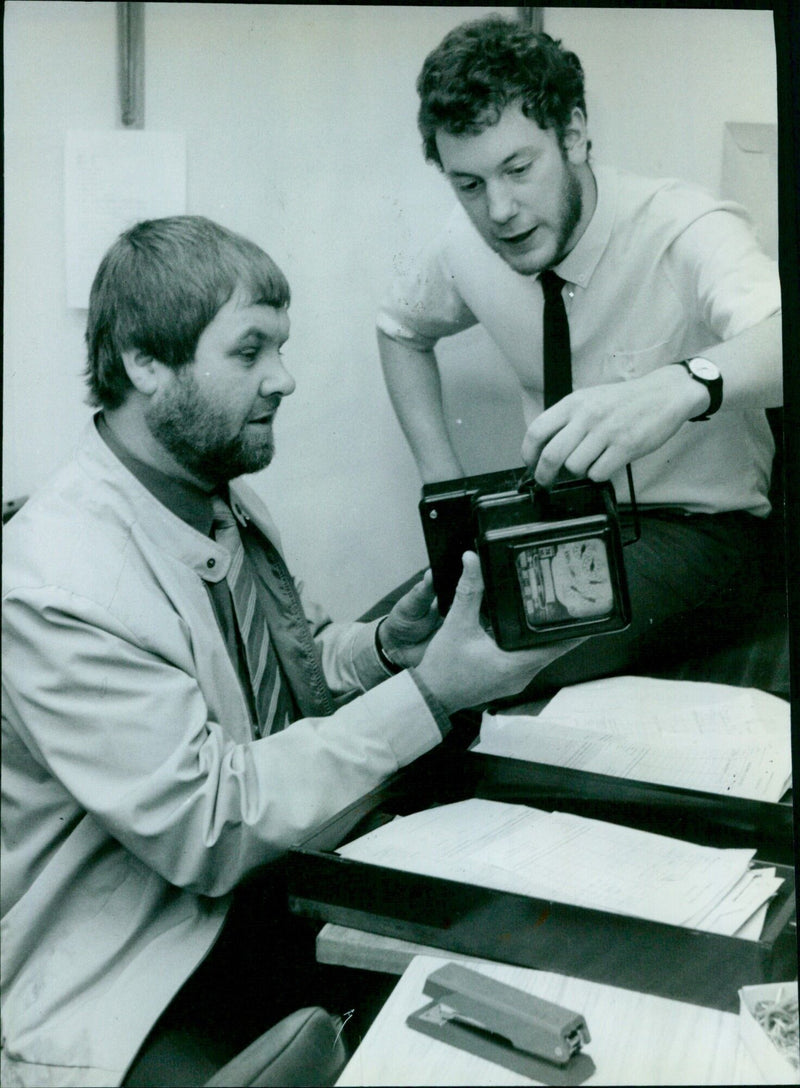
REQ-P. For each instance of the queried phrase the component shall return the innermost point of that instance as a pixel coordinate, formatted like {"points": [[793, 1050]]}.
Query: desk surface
{"points": [[341, 946], [635, 1038]]}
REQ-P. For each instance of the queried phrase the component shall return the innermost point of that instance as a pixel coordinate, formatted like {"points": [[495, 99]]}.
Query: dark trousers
{"points": [[696, 583], [262, 968]]}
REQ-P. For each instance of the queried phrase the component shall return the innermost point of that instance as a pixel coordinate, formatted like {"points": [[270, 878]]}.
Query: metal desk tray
{"points": [[707, 818], [672, 961]]}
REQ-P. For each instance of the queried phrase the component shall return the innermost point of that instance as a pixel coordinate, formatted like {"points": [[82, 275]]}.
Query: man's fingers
{"points": [[417, 602], [469, 591], [542, 430], [423, 590], [531, 448], [610, 461]]}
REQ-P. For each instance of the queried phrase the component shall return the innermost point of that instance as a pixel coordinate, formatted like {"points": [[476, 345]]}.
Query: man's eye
{"points": [[519, 170], [248, 353], [468, 186]]}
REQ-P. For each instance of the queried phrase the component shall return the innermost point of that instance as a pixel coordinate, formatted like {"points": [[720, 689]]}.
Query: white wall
{"points": [[662, 83], [300, 130]]}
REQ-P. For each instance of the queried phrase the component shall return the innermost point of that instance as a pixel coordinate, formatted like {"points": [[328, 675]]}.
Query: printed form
{"points": [[572, 859], [709, 737]]}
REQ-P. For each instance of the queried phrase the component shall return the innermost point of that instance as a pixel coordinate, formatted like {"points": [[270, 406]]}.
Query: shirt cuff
{"points": [[367, 665], [440, 715]]}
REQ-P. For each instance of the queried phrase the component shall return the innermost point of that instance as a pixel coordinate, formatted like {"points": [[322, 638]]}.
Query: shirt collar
{"points": [[184, 499], [580, 263]]}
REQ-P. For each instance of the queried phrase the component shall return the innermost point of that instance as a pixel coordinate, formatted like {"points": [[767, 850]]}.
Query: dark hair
{"points": [[483, 66], [161, 283]]}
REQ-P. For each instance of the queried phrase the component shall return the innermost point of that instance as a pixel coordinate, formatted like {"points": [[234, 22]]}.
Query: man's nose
{"points": [[501, 201], [278, 380]]}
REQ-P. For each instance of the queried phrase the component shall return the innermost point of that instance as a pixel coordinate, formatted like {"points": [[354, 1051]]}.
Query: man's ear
{"points": [[142, 370], [576, 139]]}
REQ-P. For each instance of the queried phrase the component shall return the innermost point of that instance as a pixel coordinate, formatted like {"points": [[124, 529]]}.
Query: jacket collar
{"points": [[189, 502], [146, 511]]}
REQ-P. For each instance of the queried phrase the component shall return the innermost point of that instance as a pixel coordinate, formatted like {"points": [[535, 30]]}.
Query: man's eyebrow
{"points": [[521, 151], [258, 332], [255, 332]]}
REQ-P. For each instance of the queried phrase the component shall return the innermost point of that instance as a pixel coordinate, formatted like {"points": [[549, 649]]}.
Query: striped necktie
{"points": [[557, 354], [272, 699]]}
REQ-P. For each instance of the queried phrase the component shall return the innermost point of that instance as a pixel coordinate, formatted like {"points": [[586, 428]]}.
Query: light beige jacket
{"points": [[134, 799]]}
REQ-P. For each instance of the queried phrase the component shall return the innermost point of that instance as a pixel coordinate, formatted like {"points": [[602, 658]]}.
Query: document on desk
{"points": [[637, 1038], [731, 741], [572, 859]]}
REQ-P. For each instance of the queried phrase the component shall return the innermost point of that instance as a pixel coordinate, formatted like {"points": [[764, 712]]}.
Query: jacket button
{"points": [[211, 563]]}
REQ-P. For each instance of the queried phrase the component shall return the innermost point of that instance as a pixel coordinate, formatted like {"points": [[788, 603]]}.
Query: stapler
{"points": [[521, 1032]]}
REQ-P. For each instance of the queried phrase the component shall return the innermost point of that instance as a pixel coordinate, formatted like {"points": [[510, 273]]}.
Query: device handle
{"points": [[528, 482], [637, 525]]}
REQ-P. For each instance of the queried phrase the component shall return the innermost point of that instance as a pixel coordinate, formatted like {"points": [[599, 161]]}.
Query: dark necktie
{"points": [[557, 356], [271, 697]]}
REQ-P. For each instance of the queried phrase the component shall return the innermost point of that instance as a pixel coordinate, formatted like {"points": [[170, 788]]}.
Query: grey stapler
{"points": [[505, 1025]]}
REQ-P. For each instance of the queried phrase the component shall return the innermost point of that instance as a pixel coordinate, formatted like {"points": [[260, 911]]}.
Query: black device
{"points": [[551, 558]]}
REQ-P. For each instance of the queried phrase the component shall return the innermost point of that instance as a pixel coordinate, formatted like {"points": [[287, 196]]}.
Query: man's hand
{"points": [[463, 665], [595, 432], [406, 631]]}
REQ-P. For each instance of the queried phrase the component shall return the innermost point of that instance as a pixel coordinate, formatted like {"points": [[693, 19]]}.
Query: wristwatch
{"points": [[386, 661], [705, 372]]}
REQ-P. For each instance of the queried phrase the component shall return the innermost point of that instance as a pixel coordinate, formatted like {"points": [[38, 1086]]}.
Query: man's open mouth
{"points": [[517, 239]]}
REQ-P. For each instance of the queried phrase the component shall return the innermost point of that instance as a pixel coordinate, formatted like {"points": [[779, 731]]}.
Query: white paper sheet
{"points": [[651, 704], [732, 914], [572, 859], [735, 767], [637, 1038], [730, 741]]}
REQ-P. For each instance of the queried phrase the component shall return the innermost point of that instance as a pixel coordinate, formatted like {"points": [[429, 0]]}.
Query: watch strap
{"points": [[714, 387], [390, 666]]}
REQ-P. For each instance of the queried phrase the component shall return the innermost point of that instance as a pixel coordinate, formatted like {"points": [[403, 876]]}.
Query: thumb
{"points": [[469, 591], [420, 597]]}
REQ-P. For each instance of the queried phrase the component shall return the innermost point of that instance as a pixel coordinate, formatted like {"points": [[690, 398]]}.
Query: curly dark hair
{"points": [[484, 65]]}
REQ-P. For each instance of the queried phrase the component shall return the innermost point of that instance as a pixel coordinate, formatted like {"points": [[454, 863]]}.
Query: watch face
{"points": [[703, 369], [565, 581]]}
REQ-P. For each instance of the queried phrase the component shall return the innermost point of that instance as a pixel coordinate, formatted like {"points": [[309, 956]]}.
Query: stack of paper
{"points": [[710, 737], [571, 859]]}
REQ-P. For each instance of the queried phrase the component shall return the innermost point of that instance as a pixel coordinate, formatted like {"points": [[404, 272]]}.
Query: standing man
{"points": [[174, 719], [673, 318]]}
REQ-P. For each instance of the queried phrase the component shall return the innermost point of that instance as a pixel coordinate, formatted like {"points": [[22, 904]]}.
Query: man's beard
{"points": [[571, 211], [196, 433]]}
